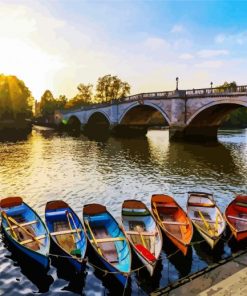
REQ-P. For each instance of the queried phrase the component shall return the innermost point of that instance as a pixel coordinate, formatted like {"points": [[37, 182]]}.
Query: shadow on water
{"points": [[111, 285], [76, 281], [182, 263], [13, 138], [37, 275]]}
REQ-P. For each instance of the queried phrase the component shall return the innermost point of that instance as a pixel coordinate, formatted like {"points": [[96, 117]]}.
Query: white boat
{"points": [[142, 232], [206, 216]]}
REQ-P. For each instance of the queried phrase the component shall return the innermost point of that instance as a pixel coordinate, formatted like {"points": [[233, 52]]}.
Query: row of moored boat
{"points": [[140, 229]]}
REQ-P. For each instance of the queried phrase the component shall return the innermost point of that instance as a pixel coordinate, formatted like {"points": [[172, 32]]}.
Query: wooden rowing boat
{"points": [[142, 232], [206, 216], [108, 241], [173, 220], [236, 217], [25, 230], [67, 233]]}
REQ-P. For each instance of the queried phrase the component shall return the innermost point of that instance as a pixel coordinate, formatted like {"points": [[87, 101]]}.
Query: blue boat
{"points": [[25, 230], [67, 233], [108, 241]]}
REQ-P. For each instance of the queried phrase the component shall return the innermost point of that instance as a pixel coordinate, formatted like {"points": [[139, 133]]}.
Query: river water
{"points": [[48, 165]]}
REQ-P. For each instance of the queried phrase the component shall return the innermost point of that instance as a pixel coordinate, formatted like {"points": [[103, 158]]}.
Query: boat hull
{"points": [[78, 266], [182, 247], [212, 241]]}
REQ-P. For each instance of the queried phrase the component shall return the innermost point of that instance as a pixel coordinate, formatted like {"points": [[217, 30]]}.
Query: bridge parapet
{"points": [[191, 93]]}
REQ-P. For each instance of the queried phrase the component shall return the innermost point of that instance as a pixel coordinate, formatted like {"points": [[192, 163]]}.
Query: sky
{"points": [[58, 44]]}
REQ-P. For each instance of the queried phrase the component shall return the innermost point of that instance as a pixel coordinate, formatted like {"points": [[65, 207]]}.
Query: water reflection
{"points": [[49, 165], [29, 269]]}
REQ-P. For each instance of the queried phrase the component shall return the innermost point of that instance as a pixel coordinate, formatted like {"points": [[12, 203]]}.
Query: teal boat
{"points": [[24, 228], [108, 241], [67, 233]]}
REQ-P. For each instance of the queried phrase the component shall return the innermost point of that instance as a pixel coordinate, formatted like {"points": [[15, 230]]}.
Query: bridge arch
{"points": [[73, 123], [147, 107], [228, 106], [203, 125], [98, 117]]}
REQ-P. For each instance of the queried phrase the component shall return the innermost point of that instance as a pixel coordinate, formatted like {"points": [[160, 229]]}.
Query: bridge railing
{"points": [[214, 91]]}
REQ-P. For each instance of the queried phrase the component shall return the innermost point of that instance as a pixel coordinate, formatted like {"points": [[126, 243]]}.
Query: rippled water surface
{"points": [[50, 166]]}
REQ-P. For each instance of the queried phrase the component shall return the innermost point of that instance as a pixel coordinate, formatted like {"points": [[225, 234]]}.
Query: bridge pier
{"points": [[193, 133]]}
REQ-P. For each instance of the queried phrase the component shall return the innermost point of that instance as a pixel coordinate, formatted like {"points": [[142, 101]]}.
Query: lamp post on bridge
{"points": [[177, 83], [211, 83]]}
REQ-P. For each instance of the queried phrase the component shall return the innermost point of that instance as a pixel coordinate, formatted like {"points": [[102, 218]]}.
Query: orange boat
{"points": [[173, 220], [236, 217]]}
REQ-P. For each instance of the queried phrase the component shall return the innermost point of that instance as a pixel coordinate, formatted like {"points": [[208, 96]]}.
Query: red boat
{"points": [[236, 217]]}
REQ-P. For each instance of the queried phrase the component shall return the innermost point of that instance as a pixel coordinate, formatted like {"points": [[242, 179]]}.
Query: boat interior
{"points": [[25, 226], [66, 229], [237, 213], [141, 228], [107, 238]]}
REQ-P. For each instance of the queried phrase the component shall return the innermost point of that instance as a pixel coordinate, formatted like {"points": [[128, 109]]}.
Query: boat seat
{"points": [[108, 239], [241, 204], [55, 213], [209, 221], [195, 204], [238, 218], [23, 224], [69, 231], [144, 233], [175, 223], [32, 240], [166, 205]]}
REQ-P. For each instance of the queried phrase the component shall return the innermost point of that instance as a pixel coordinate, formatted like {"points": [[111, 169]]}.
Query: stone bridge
{"points": [[190, 114]]}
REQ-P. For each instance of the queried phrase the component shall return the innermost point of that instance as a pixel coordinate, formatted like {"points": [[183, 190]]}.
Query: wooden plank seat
{"points": [[32, 240], [198, 204], [165, 205], [23, 224], [238, 218], [108, 239], [61, 232], [209, 221], [175, 223], [144, 233]]}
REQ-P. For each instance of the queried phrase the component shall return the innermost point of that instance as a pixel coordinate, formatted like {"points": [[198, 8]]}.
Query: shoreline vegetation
{"points": [[19, 110]]}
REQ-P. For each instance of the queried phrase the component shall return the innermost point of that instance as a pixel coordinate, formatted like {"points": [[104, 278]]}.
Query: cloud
{"points": [[155, 43], [177, 29], [209, 53], [239, 38], [186, 56], [210, 64]]}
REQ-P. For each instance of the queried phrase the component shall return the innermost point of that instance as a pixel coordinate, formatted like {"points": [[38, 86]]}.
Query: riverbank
{"points": [[227, 275], [17, 127]]}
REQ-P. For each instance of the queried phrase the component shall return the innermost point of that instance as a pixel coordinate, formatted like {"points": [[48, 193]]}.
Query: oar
{"points": [[9, 224], [142, 239], [94, 240], [78, 233], [25, 230], [217, 223], [67, 215], [205, 222]]}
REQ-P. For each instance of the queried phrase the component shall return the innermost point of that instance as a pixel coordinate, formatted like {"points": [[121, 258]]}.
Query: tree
{"points": [[227, 86], [47, 103], [61, 102], [111, 87], [83, 98], [15, 98]]}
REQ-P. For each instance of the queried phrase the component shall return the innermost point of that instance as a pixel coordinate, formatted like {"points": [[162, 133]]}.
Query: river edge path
{"points": [[227, 278]]}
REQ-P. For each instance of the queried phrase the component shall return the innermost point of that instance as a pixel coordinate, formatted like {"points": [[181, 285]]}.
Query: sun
{"points": [[29, 63]]}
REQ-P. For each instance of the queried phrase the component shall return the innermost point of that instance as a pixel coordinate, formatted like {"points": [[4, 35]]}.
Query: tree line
{"points": [[17, 102], [107, 88]]}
